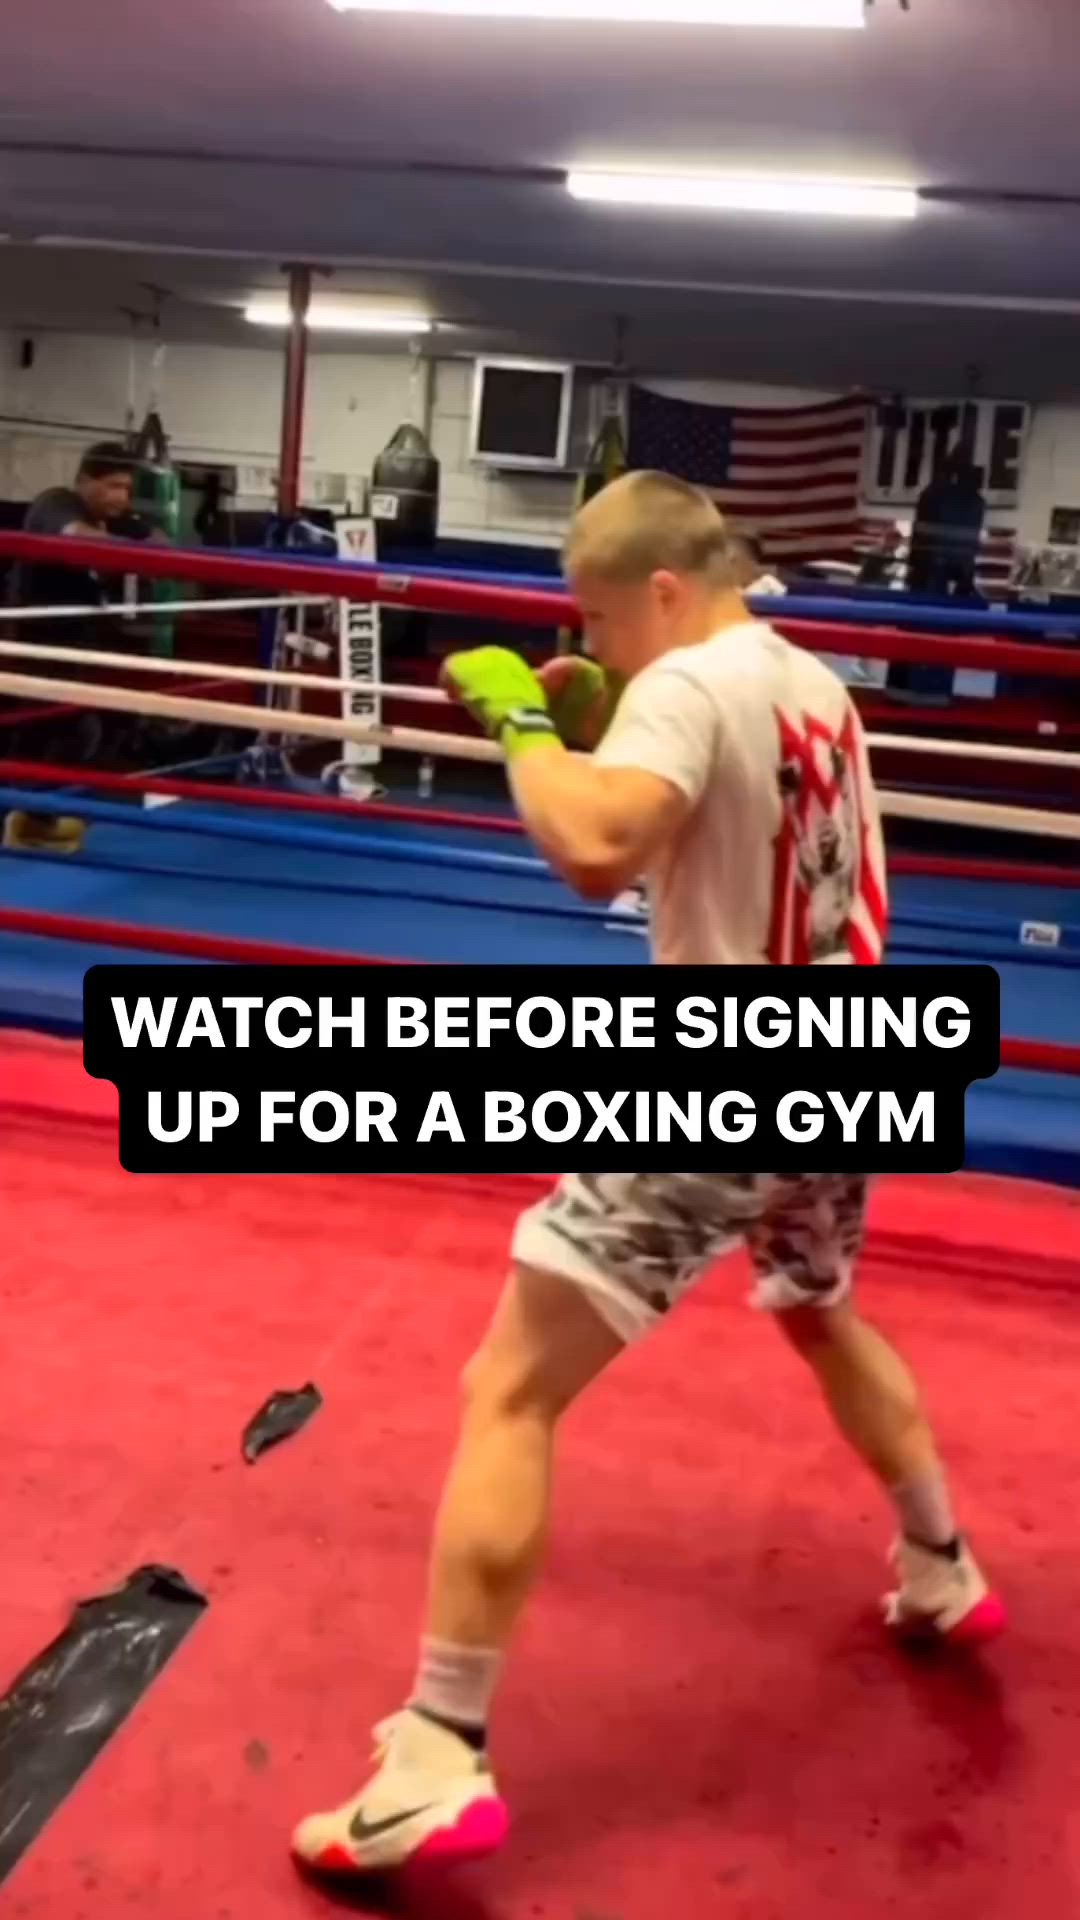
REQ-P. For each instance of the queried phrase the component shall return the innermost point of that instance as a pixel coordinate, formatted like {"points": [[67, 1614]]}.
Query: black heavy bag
{"points": [[405, 492], [405, 510]]}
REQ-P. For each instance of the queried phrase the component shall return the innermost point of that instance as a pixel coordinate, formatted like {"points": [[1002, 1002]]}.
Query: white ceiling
{"points": [[401, 149]]}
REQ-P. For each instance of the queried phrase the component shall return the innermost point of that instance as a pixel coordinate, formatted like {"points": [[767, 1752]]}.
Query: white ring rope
{"points": [[83, 693], [265, 720], [193, 669], [980, 813], [973, 750], [162, 609], [433, 697]]}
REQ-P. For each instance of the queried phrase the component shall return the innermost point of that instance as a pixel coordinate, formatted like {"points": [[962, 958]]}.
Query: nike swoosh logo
{"points": [[361, 1829]]}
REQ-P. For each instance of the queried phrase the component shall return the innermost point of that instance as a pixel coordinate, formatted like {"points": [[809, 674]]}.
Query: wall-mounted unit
{"points": [[521, 414]]}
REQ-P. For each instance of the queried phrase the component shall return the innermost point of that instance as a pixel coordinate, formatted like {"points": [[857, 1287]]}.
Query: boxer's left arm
{"points": [[599, 820]]}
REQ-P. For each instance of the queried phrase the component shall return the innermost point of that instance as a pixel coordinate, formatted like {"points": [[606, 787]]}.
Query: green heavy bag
{"points": [[156, 500], [606, 461]]}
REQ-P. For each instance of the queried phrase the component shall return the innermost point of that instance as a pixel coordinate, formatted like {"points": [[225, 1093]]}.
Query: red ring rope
{"points": [[528, 606], [955, 867], [23, 716], [930, 649], [531, 606], [1041, 1056], [190, 946]]}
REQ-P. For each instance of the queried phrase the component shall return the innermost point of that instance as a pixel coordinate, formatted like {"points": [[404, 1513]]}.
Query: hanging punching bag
{"points": [[405, 492], [156, 497], [405, 510], [606, 461]]}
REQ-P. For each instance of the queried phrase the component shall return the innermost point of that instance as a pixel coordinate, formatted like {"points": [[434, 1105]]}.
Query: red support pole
{"points": [[292, 409]]}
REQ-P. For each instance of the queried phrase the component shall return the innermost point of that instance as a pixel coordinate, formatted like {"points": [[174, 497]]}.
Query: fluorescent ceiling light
{"points": [[328, 319], [702, 13], [721, 193]]}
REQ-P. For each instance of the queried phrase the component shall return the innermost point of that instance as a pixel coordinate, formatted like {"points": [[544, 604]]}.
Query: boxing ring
{"points": [[730, 1734], [427, 883]]}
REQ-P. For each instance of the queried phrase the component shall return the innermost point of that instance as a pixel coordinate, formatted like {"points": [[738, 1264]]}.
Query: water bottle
{"points": [[426, 783]]}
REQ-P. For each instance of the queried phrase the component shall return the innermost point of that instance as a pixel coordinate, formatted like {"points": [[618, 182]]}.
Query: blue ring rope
{"points": [[405, 852], [990, 952], [602, 917], [259, 832], [992, 925]]}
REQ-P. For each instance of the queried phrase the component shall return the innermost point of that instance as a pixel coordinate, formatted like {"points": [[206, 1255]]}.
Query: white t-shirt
{"points": [[782, 857]]}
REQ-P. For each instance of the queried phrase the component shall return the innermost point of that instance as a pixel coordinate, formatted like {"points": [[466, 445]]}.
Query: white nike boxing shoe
{"points": [[433, 1799], [942, 1596]]}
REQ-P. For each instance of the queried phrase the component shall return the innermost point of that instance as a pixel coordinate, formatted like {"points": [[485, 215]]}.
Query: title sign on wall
{"points": [[908, 442]]}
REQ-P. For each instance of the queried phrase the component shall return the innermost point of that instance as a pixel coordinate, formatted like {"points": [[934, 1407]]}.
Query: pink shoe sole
{"points": [[984, 1622], [480, 1832]]}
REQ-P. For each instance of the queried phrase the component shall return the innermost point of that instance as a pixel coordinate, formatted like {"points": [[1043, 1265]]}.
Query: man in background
{"points": [[885, 564], [948, 530], [93, 507], [96, 506], [943, 561]]}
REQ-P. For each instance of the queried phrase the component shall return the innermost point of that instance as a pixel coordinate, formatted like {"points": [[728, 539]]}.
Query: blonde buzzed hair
{"points": [[644, 523]]}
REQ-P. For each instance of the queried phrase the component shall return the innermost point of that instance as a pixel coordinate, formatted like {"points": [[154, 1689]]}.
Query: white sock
{"points": [[456, 1683], [925, 1510]]}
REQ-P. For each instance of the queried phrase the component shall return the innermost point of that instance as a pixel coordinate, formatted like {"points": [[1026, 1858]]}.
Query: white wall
{"points": [[1051, 471], [218, 403], [224, 403], [8, 352]]}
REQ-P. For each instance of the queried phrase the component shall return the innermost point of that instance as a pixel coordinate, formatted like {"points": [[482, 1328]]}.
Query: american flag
{"points": [[997, 558], [790, 475]]}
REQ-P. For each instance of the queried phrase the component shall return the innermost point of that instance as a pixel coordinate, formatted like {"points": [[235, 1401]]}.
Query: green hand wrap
{"points": [[504, 695], [585, 707]]}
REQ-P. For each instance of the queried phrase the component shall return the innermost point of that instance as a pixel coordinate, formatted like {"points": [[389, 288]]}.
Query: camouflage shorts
{"points": [[636, 1241]]}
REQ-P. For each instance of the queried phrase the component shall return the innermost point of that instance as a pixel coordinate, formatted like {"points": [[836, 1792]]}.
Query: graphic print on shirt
{"points": [[828, 903]]}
